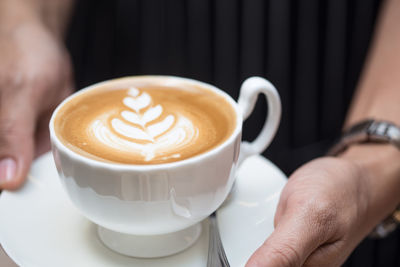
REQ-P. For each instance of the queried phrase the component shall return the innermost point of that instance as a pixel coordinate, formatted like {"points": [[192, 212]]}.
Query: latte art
{"points": [[144, 133], [140, 121]]}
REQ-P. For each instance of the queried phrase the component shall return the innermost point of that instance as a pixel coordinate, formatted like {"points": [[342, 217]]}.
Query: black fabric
{"points": [[312, 50]]}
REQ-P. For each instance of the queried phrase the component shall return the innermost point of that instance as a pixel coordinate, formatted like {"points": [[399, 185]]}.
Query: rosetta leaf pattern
{"points": [[137, 123]]}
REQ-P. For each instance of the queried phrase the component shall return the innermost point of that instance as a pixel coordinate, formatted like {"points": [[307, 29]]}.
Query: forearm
{"points": [[378, 93], [378, 96], [53, 14]]}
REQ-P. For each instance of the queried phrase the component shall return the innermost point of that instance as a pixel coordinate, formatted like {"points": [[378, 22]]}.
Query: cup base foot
{"points": [[149, 246]]}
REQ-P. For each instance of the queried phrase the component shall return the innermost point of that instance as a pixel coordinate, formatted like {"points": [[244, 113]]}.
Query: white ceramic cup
{"points": [[155, 210]]}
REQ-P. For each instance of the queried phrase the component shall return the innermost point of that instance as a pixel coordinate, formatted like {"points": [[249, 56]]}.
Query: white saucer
{"points": [[40, 227]]}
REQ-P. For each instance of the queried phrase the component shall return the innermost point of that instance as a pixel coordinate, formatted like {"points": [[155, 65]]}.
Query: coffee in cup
{"points": [[137, 121]]}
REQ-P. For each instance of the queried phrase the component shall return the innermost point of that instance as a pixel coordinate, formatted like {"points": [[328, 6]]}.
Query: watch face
{"points": [[383, 131], [394, 134]]}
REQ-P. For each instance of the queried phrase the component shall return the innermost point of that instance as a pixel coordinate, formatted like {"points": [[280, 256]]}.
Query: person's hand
{"points": [[35, 75], [321, 216]]}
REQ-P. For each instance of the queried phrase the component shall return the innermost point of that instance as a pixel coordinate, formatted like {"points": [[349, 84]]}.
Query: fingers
{"points": [[331, 254], [299, 231], [42, 134], [17, 125], [285, 247]]}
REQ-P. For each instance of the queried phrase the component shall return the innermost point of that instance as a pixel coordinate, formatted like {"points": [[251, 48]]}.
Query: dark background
{"points": [[311, 50]]}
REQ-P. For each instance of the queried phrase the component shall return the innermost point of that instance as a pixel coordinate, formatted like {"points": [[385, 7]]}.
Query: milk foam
{"points": [[144, 121], [144, 129]]}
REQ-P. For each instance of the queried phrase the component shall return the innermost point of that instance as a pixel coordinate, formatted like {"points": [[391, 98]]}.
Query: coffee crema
{"points": [[142, 121]]}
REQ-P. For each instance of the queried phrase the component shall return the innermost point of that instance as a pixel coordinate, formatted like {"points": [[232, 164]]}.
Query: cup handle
{"points": [[249, 92]]}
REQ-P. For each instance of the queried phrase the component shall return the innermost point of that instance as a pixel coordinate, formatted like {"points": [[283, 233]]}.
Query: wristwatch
{"points": [[368, 131], [372, 131]]}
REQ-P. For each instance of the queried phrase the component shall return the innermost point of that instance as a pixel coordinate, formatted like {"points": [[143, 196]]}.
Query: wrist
{"points": [[380, 164], [381, 160]]}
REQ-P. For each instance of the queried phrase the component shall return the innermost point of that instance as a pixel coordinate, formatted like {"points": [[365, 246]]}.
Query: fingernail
{"points": [[7, 170]]}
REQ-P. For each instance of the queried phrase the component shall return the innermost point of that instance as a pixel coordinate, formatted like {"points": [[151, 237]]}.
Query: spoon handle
{"points": [[216, 252]]}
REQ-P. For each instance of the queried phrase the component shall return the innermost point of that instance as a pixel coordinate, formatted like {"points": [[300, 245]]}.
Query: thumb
{"points": [[292, 241], [17, 127]]}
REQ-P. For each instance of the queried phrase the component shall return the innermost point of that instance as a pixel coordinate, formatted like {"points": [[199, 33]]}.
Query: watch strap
{"points": [[368, 131]]}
